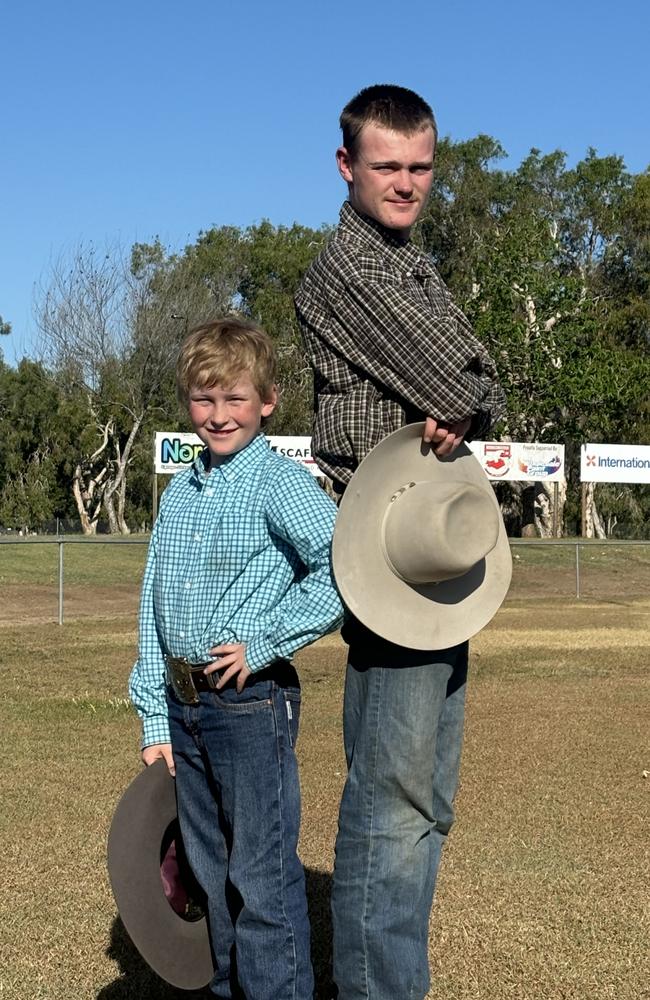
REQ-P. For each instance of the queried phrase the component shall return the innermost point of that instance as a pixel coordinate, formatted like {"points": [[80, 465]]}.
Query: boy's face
{"points": [[390, 176], [227, 419]]}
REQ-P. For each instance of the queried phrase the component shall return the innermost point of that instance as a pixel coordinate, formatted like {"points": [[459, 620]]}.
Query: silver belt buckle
{"points": [[179, 678]]}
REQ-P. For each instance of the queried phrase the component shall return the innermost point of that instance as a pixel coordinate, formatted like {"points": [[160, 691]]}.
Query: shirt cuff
{"points": [[155, 729]]}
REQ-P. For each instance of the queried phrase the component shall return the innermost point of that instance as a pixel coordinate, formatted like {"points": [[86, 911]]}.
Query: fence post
{"points": [[578, 571], [61, 581]]}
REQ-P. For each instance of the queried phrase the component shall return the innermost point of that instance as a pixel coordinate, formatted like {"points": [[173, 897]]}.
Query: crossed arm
{"points": [[430, 358]]}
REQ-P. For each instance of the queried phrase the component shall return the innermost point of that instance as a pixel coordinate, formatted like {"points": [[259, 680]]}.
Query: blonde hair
{"points": [[219, 353]]}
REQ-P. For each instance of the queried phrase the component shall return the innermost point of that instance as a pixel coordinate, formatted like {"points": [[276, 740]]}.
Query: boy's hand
{"points": [[157, 750], [232, 660], [444, 438]]}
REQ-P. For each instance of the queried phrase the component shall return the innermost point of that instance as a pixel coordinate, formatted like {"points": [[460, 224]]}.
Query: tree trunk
{"points": [[543, 511], [591, 524], [109, 507], [549, 517], [83, 495], [121, 503], [117, 485]]}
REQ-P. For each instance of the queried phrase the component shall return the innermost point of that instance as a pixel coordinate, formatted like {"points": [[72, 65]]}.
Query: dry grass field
{"points": [[545, 884]]}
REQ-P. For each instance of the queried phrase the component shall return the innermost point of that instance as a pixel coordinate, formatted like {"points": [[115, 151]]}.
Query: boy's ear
{"points": [[344, 163], [270, 404]]}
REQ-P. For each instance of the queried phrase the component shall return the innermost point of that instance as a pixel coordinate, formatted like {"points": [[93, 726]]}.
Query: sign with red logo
{"points": [[520, 461]]}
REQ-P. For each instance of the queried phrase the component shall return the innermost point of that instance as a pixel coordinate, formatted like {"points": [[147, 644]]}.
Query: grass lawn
{"points": [[544, 887]]}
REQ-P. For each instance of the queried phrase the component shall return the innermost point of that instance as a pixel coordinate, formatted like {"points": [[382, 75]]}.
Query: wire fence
{"points": [[102, 575]]}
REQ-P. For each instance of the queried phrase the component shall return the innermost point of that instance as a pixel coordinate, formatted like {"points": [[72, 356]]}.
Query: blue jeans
{"points": [[403, 729], [238, 796]]}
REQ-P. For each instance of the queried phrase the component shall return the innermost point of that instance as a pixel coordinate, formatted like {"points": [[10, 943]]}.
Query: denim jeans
{"points": [[238, 796], [403, 730]]}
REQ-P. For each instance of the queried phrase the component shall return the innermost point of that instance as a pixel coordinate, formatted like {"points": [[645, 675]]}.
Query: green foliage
{"points": [[551, 265], [35, 427]]}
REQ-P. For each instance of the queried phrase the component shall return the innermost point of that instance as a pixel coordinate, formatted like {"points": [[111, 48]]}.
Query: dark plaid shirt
{"points": [[387, 344]]}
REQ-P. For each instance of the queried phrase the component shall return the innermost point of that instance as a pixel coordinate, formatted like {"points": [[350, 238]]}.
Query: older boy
{"points": [[238, 578], [389, 347]]}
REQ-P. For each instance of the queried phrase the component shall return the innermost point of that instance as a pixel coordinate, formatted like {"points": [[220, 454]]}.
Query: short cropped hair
{"points": [[388, 106], [219, 353]]}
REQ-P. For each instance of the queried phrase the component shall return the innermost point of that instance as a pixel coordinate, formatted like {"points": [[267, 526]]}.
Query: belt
{"points": [[187, 679]]}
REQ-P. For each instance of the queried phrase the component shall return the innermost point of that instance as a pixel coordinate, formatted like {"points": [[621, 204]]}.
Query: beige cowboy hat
{"points": [[420, 551]]}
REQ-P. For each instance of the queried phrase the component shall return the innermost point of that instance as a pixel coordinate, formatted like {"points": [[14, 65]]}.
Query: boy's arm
{"points": [[300, 513], [147, 680], [432, 360]]}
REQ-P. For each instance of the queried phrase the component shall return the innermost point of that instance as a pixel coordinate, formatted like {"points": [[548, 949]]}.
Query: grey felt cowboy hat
{"points": [[141, 864], [420, 551]]}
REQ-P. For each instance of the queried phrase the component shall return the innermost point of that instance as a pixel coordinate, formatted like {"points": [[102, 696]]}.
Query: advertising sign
{"points": [[520, 461], [175, 450], [297, 448], [615, 463]]}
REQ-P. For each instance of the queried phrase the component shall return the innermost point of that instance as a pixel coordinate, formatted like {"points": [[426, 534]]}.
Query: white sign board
{"points": [[175, 450], [615, 463], [521, 462], [297, 448]]}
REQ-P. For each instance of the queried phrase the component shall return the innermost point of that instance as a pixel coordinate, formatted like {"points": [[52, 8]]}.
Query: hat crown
{"points": [[436, 531]]}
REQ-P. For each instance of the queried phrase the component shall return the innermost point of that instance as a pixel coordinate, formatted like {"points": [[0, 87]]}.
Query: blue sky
{"points": [[126, 120]]}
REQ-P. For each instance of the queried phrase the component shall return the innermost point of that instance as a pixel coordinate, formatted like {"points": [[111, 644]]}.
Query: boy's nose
{"points": [[404, 183], [219, 414]]}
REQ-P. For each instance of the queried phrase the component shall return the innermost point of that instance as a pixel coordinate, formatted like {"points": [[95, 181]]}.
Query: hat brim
{"points": [[178, 950], [431, 616]]}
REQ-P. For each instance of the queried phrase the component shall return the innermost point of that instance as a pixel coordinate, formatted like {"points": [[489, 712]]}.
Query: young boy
{"points": [[238, 578]]}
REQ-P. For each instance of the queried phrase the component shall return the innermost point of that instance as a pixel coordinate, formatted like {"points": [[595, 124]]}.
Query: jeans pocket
{"points": [[292, 702], [255, 698]]}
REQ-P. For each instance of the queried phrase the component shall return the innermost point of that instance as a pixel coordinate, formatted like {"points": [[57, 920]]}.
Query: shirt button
{"points": [[188, 585], [209, 491], [197, 537], [182, 635]]}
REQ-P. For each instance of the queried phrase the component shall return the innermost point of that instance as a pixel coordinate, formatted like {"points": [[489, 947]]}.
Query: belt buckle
{"points": [[179, 678]]}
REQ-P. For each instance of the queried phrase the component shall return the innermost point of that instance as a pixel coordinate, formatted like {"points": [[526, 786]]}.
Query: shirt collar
{"points": [[380, 238], [235, 465]]}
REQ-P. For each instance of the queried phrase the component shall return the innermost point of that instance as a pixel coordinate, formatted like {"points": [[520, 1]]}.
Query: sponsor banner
{"points": [[520, 461], [615, 463], [175, 450], [297, 448]]}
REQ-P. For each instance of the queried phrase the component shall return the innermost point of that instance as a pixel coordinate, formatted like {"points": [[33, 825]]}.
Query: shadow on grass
{"points": [[319, 890], [137, 981]]}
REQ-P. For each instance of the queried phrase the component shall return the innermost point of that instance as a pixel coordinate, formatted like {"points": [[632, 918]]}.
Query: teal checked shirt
{"points": [[239, 553]]}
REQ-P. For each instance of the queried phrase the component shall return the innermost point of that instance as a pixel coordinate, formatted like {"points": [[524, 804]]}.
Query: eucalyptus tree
{"points": [[530, 256], [110, 327]]}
